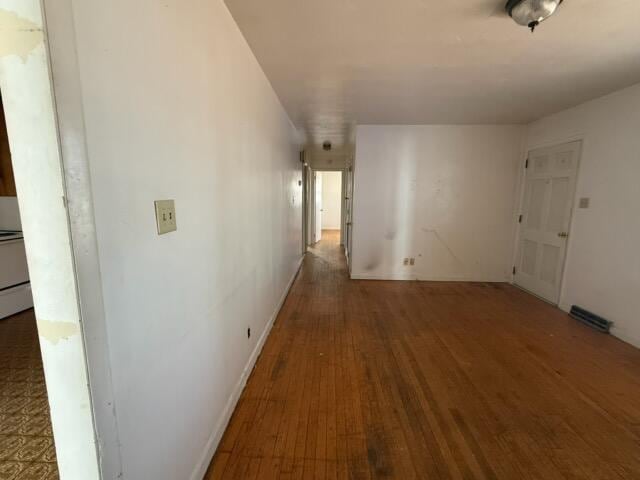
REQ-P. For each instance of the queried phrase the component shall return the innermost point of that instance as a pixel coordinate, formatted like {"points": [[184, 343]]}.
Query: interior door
{"points": [[318, 207], [550, 183]]}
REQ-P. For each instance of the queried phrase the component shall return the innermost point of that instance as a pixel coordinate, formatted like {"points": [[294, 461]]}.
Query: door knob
{"points": [[563, 234]]}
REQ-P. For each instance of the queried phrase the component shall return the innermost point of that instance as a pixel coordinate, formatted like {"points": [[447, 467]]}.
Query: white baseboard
{"points": [[625, 337], [420, 278], [390, 276], [214, 440]]}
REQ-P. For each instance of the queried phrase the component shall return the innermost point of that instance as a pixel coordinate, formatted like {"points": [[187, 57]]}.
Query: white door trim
{"points": [[51, 171]]}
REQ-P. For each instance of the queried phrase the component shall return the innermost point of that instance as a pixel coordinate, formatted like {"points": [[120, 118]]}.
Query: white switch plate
{"points": [[165, 216]]}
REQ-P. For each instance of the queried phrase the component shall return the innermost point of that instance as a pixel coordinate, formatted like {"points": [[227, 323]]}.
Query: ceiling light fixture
{"points": [[530, 13]]}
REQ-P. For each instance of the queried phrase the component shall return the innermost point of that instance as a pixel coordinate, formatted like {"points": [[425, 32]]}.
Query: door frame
{"points": [[521, 198], [50, 163], [314, 210], [348, 218], [312, 202], [305, 201]]}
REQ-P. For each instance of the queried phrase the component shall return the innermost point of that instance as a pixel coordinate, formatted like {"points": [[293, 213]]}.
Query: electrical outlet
{"points": [[165, 216], [585, 202], [412, 261]]}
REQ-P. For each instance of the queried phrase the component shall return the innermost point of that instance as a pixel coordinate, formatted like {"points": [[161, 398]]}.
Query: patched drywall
{"points": [[20, 36], [54, 332], [443, 195], [602, 271]]}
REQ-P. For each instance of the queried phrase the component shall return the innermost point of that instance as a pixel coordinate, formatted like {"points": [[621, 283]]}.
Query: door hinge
{"points": [[520, 219], [526, 163], [514, 270]]}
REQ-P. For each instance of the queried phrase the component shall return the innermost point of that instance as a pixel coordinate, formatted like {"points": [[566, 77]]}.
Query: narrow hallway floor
{"points": [[429, 380], [26, 441]]}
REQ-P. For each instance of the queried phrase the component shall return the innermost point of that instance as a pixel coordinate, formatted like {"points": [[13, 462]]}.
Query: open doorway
{"points": [[328, 206]]}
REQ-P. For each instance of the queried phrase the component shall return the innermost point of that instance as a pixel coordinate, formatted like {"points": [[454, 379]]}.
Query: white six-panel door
{"points": [[550, 183]]}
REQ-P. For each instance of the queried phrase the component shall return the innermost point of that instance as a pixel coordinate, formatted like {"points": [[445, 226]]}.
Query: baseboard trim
{"points": [[392, 276], [624, 337], [214, 440], [415, 278], [617, 332]]}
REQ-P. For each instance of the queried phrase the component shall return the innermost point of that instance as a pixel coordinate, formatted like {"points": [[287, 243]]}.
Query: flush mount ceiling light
{"points": [[530, 13]]}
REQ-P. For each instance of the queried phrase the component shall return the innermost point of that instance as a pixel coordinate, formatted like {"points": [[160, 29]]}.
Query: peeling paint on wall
{"points": [[18, 36], [56, 331]]}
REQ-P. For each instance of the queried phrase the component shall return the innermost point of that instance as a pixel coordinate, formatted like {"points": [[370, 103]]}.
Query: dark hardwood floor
{"points": [[370, 379]]}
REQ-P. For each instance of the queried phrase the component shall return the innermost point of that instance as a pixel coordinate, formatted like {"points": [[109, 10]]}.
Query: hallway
{"points": [[376, 379]]}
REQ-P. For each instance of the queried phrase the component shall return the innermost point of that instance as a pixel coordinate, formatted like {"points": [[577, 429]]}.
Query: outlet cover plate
{"points": [[165, 216]]}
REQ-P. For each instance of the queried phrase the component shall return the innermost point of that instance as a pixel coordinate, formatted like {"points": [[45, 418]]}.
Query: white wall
{"points": [[177, 107], [337, 157], [331, 200], [445, 195], [602, 271]]}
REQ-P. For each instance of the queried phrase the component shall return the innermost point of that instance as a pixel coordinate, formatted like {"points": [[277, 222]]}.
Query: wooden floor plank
{"points": [[375, 379]]}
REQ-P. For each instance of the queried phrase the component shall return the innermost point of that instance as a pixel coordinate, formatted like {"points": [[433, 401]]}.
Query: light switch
{"points": [[585, 202], [165, 216]]}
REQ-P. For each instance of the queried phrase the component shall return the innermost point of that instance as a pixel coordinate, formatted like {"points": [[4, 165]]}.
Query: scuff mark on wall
{"points": [[374, 261], [435, 233], [18, 36], [56, 331]]}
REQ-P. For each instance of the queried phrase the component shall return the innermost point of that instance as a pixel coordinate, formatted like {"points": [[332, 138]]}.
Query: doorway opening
{"points": [[328, 206]]}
